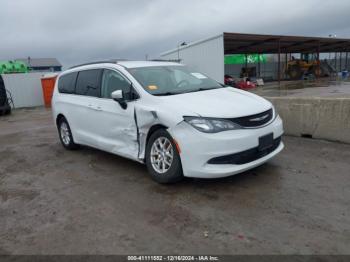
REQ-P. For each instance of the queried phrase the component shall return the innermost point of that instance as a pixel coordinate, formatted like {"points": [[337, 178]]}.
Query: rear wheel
{"points": [[162, 158], [294, 72], [66, 134]]}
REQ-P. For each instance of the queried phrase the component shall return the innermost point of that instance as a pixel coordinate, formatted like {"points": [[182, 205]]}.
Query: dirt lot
{"points": [[54, 201]]}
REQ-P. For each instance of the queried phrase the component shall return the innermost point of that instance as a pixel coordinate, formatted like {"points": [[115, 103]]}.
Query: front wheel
{"points": [[162, 158]]}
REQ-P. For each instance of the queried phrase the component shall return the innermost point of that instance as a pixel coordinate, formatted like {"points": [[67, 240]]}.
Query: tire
{"points": [[8, 111], [160, 170], [65, 135], [318, 72], [295, 73]]}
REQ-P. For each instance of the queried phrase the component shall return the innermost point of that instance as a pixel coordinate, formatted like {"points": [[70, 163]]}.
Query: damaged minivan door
{"points": [[114, 120]]}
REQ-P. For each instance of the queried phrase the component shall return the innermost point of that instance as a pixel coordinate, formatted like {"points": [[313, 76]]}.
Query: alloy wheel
{"points": [[65, 134], [162, 155]]}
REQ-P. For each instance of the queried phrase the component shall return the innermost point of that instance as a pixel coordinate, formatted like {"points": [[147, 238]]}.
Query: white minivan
{"points": [[177, 121]]}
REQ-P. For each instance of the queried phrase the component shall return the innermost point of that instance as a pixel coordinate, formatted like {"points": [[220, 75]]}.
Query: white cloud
{"points": [[79, 31]]}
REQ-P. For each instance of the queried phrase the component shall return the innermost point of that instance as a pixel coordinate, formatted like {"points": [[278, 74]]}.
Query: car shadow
{"points": [[132, 171]]}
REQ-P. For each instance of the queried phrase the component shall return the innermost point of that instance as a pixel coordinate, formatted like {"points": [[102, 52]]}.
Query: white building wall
{"points": [[25, 89], [205, 56]]}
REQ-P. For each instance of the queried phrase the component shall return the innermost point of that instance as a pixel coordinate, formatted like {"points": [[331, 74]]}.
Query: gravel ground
{"points": [[54, 201]]}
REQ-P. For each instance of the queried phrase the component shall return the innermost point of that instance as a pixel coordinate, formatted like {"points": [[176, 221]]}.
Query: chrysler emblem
{"points": [[259, 118]]}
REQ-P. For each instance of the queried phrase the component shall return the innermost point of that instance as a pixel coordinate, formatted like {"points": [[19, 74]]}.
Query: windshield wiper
{"points": [[166, 94], [203, 89], [185, 92]]}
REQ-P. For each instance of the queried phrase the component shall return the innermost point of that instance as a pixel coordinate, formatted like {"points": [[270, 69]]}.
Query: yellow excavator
{"points": [[308, 64]]}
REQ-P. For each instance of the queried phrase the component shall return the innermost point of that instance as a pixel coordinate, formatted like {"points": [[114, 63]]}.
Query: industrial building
{"points": [[270, 57], [42, 64]]}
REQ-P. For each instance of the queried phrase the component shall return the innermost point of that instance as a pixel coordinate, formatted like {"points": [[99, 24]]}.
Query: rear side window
{"points": [[66, 83], [88, 83]]}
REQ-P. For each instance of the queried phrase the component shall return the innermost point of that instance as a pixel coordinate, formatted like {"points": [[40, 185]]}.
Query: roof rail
{"points": [[167, 60], [111, 61]]}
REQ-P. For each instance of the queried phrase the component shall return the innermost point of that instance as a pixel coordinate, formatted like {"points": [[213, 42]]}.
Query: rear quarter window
{"points": [[66, 83]]}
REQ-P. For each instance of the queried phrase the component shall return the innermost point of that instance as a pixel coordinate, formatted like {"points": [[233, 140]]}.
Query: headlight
{"points": [[210, 125], [274, 112]]}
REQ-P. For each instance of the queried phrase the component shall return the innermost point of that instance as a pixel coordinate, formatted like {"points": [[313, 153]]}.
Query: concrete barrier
{"points": [[322, 118]]}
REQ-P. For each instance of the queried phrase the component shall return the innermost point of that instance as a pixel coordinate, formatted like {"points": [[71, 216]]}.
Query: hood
{"points": [[224, 102]]}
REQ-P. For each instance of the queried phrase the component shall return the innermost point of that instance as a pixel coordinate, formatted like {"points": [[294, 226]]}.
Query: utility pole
{"points": [[178, 49], [279, 63]]}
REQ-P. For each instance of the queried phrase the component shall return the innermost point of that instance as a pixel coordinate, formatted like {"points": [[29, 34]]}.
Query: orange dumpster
{"points": [[48, 84]]}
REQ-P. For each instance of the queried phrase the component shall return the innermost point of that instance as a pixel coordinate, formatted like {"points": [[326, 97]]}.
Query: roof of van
{"points": [[127, 64], [134, 64]]}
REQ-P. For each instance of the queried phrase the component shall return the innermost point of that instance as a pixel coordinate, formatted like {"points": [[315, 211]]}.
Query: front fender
{"points": [[146, 117]]}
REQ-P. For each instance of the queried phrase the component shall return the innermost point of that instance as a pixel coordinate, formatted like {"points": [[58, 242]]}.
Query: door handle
{"points": [[97, 108]]}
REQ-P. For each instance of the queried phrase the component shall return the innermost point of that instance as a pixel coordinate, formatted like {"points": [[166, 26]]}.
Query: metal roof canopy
{"points": [[236, 43]]}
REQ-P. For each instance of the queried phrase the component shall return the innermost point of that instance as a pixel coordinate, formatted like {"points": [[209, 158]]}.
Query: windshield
{"points": [[171, 80]]}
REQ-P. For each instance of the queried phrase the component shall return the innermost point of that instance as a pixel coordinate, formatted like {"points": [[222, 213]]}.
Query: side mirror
{"points": [[117, 96]]}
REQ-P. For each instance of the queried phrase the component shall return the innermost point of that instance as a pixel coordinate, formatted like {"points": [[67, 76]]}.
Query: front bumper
{"points": [[198, 148]]}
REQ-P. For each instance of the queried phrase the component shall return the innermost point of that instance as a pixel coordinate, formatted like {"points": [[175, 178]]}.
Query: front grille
{"points": [[245, 157], [254, 120]]}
